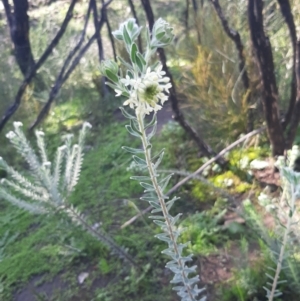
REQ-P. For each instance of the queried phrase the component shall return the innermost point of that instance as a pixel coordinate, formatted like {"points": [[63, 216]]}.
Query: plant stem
{"points": [[284, 242], [101, 236], [152, 173]]}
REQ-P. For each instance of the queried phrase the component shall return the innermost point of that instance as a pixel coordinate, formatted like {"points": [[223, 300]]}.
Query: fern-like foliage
{"points": [[155, 185], [46, 188]]}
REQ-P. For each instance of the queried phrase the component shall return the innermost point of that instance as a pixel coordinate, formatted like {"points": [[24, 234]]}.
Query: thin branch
{"points": [[111, 37], [62, 78], [199, 171], [13, 108]]}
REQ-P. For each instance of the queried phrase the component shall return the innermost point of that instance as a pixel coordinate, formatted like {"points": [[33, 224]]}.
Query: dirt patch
{"points": [[218, 268]]}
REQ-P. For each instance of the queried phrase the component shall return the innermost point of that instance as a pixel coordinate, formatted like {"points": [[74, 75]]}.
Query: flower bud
{"points": [[162, 34], [128, 32], [110, 69]]}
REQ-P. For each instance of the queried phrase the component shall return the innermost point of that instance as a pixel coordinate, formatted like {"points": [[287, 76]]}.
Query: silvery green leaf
{"points": [[155, 205], [156, 217], [133, 52], [139, 161], [161, 224], [135, 126], [159, 160], [156, 210], [133, 150], [152, 122], [157, 155], [169, 204], [140, 178], [129, 74], [114, 78], [118, 35], [139, 63], [175, 218], [149, 198], [132, 132], [163, 237], [126, 37], [147, 186], [126, 114], [153, 131], [164, 182], [138, 55]]}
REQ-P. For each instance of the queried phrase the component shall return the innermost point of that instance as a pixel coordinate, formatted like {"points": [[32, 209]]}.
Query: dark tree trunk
{"points": [[289, 20], [178, 116], [236, 38], [291, 134], [18, 21], [103, 88], [264, 58], [186, 15]]}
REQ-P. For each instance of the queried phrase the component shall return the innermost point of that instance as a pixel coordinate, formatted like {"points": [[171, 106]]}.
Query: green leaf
{"points": [[133, 52], [139, 160], [149, 198], [147, 186], [160, 223], [114, 78], [126, 36], [134, 125], [139, 63], [160, 35], [164, 182], [159, 160], [140, 178], [152, 133], [133, 150], [157, 155], [126, 114], [132, 132], [141, 58], [152, 122], [155, 205]]}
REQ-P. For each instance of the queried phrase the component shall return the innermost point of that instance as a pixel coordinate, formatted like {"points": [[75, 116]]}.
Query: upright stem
{"points": [[152, 173]]}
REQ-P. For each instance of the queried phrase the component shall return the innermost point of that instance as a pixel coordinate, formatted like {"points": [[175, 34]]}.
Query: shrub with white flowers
{"points": [[146, 89]]}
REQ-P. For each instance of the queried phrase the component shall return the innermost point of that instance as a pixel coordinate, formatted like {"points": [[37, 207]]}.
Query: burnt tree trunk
{"points": [[291, 134], [289, 20], [264, 57], [18, 22]]}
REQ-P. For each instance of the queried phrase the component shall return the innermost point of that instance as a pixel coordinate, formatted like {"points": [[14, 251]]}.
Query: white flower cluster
{"points": [[147, 91]]}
